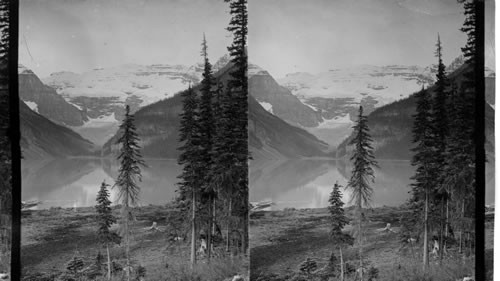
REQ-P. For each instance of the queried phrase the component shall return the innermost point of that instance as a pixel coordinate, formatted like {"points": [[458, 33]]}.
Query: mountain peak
{"points": [[21, 69], [221, 62], [254, 69]]}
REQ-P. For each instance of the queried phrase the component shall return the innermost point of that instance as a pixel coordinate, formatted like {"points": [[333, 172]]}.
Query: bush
{"points": [[140, 272], [75, 265], [372, 273], [308, 266]]}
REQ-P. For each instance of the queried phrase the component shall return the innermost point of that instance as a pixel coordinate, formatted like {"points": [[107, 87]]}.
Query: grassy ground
{"points": [[281, 240], [51, 238], [489, 227]]}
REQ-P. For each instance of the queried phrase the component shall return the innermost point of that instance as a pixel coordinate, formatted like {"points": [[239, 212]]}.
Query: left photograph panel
{"points": [[133, 119], [5, 145]]}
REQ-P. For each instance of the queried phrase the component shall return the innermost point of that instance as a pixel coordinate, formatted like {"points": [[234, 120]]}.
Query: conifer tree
{"points": [[362, 173], [423, 159], [190, 158], [207, 135], [238, 111], [338, 221], [440, 133], [461, 151], [105, 219], [129, 174]]}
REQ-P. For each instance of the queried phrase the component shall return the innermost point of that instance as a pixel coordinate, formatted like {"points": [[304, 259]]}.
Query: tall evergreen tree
{"points": [[190, 158], [207, 134], [423, 159], [338, 221], [129, 174], [440, 133], [105, 219], [362, 173], [238, 89], [460, 165], [230, 147]]}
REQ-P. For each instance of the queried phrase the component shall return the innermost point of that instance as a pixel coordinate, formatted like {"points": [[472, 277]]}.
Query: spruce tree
{"points": [[129, 174], [238, 110], [338, 221], [423, 160], [440, 127], [207, 135], [105, 219], [461, 162], [190, 158], [364, 161]]}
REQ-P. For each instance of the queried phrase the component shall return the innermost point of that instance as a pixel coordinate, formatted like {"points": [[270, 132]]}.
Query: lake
{"points": [[291, 183], [308, 183], [75, 182]]}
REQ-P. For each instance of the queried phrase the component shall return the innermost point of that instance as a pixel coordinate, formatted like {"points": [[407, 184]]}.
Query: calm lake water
{"points": [[308, 183], [75, 182], [293, 183]]}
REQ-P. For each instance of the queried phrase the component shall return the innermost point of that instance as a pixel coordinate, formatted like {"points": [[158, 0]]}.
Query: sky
{"points": [[287, 36], [70, 35]]}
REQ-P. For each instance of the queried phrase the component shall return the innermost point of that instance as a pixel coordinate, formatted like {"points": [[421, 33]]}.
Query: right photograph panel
{"points": [[361, 131]]}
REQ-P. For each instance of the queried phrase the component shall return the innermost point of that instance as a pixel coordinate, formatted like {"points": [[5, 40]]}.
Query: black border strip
{"points": [[15, 137], [480, 269]]}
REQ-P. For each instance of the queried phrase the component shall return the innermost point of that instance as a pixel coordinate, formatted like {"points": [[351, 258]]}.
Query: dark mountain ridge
{"points": [[46, 101], [391, 125], [42, 138], [269, 136]]}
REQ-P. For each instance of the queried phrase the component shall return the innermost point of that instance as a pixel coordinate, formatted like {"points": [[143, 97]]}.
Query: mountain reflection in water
{"points": [[308, 183], [289, 184], [75, 182]]}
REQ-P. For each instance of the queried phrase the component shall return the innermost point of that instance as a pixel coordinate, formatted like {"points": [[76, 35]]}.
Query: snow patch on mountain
{"points": [[267, 106], [103, 120], [32, 105], [21, 69], [336, 122], [386, 83], [312, 107], [75, 105], [221, 63], [148, 83], [256, 70]]}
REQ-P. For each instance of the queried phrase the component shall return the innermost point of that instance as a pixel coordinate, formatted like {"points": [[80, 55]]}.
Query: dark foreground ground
{"points": [[51, 238], [282, 240]]}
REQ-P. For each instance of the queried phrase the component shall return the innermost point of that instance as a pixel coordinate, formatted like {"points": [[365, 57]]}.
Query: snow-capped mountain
{"points": [[384, 84], [143, 84], [45, 101], [326, 104], [98, 96]]}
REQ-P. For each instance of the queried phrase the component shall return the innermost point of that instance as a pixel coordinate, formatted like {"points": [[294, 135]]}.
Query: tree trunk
{"points": [[193, 229], [441, 230], [341, 265], [245, 244], [360, 238], [214, 221], [209, 231], [109, 262], [244, 233], [214, 205], [127, 240], [447, 227], [460, 247], [228, 224], [426, 247]]}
